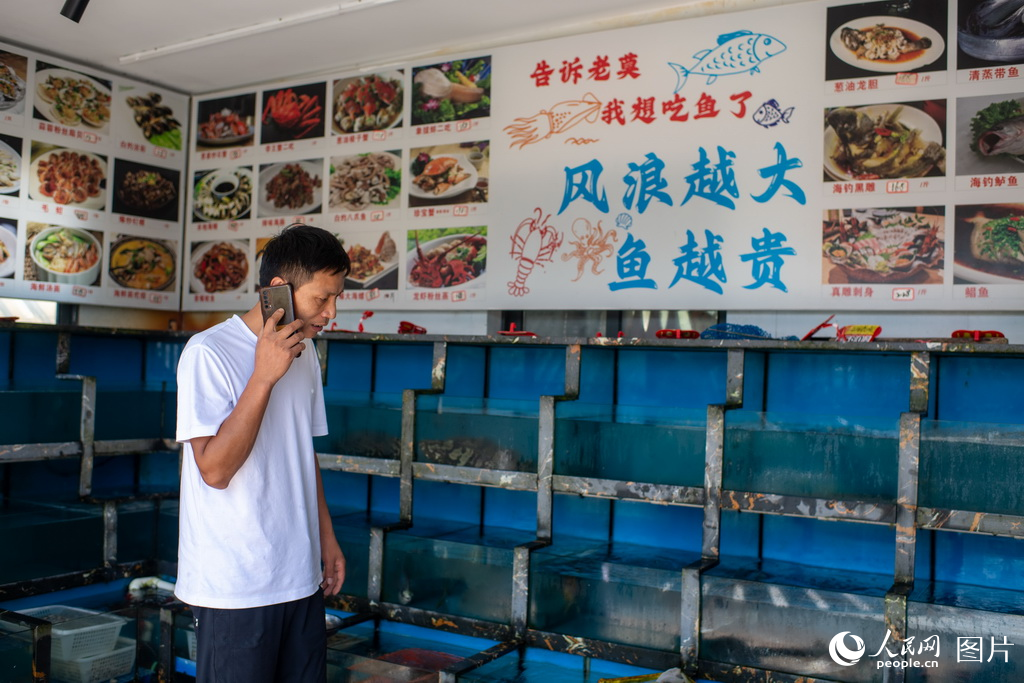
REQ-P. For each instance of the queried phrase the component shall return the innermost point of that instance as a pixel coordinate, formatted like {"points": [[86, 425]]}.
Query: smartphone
{"points": [[273, 298]]}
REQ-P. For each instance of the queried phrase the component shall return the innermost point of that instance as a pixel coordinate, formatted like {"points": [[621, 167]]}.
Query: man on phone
{"points": [[256, 549]]}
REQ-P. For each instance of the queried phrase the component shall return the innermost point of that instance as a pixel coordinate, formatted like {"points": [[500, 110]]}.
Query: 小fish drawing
{"points": [[770, 114], [736, 53]]}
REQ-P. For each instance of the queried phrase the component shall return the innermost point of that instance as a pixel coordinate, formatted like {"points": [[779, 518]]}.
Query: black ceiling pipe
{"points": [[74, 9]]}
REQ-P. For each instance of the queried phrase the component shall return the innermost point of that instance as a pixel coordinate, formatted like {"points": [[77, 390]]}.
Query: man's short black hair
{"points": [[298, 252]]}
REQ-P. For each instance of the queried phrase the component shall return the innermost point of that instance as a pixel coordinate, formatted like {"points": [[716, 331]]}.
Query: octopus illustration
{"points": [[533, 244], [547, 122], [590, 247]]}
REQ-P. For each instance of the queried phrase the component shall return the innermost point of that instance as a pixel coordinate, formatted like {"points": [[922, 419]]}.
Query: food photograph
{"points": [[446, 258], [62, 255], [884, 141], [361, 182], [145, 191], [883, 245], [13, 72], [374, 258], [881, 38], [8, 246], [142, 263], [449, 174], [294, 113], [155, 117], [988, 245], [223, 194], [451, 91], [10, 165], [219, 266], [67, 177], [368, 102], [990, 134], [71, 98], [225, 122], [291, 188], [989, 33]]}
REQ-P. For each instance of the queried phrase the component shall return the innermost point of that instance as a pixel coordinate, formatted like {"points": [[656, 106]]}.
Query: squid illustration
{"points": [[533, 244], [547, 122]]}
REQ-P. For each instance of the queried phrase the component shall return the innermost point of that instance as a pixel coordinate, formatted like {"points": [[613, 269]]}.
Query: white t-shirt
{"points": [[257, 541]]}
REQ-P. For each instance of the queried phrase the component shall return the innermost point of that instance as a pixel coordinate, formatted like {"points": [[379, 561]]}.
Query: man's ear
{"points": [[277, 280]]}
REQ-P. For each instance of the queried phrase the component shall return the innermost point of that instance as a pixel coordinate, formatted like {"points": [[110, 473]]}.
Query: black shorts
{"points": [[283, 643]]}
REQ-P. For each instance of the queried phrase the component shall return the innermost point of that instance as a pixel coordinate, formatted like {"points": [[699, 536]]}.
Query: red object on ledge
{"points": [[677, 334], [513, 332], [406, 327]]}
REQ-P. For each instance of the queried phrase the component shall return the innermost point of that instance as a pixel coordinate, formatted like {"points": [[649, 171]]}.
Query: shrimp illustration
{"points": [[590, 247], [533, 243], [560, 118]]}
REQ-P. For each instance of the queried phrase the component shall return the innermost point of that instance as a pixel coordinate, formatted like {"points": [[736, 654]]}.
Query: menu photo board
{"points": [[90, 185], [834, 155]]}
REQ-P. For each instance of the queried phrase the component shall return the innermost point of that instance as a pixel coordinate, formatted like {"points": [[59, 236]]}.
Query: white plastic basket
{"points": [[191, 644], [97, 668], [78, 633]]}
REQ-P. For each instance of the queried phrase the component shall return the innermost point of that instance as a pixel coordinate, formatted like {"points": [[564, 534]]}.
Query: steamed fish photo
{"points": [[990, 32], [989, 245], [990, 135], [999, 129]]}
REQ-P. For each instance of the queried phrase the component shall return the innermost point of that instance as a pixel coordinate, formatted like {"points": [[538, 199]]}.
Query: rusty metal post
{"points": [[711, 530]]}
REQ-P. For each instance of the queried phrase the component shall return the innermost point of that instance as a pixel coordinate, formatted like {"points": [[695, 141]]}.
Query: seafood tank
{"points": [[531, 509]]}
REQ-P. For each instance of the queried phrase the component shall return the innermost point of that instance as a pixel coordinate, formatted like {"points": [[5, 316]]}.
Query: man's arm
{"points": [[330, 551], [220, 456]]}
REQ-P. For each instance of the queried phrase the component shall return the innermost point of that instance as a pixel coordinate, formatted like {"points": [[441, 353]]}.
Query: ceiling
{"points": [[375, 35]]}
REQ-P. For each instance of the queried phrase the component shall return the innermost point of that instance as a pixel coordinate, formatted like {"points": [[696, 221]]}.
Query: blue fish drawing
{"points": [[736, 53], [770, 114]]}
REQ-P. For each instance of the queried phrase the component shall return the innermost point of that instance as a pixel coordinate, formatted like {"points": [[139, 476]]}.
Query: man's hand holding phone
{"points": [[277, 347]]}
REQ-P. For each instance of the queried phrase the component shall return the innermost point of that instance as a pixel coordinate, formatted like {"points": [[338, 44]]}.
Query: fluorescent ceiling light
{"points": [[252, 30]]}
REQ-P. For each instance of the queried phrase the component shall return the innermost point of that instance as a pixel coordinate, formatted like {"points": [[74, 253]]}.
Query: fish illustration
{"points": [[1006, 137], [770, 114], [547, 122], [736, 53]]}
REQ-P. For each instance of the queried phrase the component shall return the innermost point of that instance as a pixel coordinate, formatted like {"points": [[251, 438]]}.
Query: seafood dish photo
{"points": [[12, 88], [67, 255], [368, 264], [10, 169], [993, 31], [290, 188], [372, 102], [293, 115], [441, 176], [448, 261], [223, 195], [989, 245], [139, 263], [365, 180], [882, 141], [68, 177], [998, 129], [887, 44], [452, 91], [224, 127], [146, 190], [888, 246], [8, 247], [69, 98], [155, 119], [219, 267]]}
